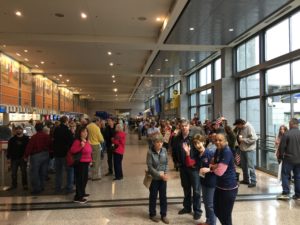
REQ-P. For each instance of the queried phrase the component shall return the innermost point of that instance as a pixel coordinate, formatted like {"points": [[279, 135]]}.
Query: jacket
{"points": [[249, 138], [86, 150], [289, 147], [119, 140], [16, 147], [95, 136], [62, 141], [157, 162], [39, 142]]}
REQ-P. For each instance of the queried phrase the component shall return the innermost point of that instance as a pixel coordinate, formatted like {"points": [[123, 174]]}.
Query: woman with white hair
{"points": [[118, 141]]}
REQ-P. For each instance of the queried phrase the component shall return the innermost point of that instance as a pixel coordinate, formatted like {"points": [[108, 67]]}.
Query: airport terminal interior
{"points": [[145, 60]]}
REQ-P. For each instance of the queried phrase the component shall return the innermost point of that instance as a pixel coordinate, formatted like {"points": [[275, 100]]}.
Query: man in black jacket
{"points": [[108, 135], [62, 141], [15, 152]]}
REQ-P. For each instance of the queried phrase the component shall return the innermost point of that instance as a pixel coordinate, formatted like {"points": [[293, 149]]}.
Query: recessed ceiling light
{"points": [[231, 29], [18, 54], [115, 89], [62, 82], [68, 80], [109, 53], [151, 75], [18, 13], [111, 64], [158, 19], [26, 59], [158, 69], [60, 75], [42, 62], [166, 60], [4, 46], [114, 81], [54, 76], [192, 60], [57, 79], [83, 15], [37, 66], [116, 95], [25, 50], [191, 28], [113, 76], [171, 75]]}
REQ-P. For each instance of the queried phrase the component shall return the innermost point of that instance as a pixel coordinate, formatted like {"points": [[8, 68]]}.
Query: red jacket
{"points": [[86, 150], [39, 142], [119, 140]]}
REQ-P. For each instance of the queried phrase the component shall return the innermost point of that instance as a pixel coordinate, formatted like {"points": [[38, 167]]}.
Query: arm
{"points": [[251, 136], [9, 149], [151, 169], [76, 147], [220, 169]]}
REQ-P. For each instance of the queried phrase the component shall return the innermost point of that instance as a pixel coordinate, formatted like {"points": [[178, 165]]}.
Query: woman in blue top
{"points": [[226, 186]]}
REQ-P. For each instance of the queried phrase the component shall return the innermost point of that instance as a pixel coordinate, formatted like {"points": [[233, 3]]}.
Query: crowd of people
{"points": [[49, 147]]}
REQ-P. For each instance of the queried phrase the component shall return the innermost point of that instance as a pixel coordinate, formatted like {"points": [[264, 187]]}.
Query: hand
{"points": [[204, 170], [186, 148], [213, 166], [82, 143], [164, 177]]}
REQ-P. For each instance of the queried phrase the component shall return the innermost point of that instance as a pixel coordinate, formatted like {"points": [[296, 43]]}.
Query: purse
{"points": [[73, 159], [147, 179]]}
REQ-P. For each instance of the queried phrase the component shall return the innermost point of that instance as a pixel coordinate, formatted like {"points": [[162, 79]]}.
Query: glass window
{"points": [[250, 111], [248, 54], [217, 70], [296, 75], [296, 105], [277, 40], [205, 75], [193, 99], [192, 82], [249, 86], [278, 79], [295, 31], [205, 113], [193, 110], [205, 97]]}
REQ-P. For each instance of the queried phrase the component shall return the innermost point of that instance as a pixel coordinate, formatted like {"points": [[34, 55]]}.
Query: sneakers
{"points": [[196, 216], [81, 201], [165, 220], [244, 182], [295, 197], [252, 185], [184, 211], [283, 197], [108, 174], [154, 219], [86, 195]]}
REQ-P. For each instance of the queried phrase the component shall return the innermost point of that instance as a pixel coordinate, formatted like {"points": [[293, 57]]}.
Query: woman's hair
{"points": [[119, 127], [78, 132], [158, 138], [285, 130], [199, 137]]}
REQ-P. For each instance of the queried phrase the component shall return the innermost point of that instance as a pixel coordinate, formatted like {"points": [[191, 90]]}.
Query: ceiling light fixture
{"points": [[151, 75], [116, 95], [230, 29], [68, 80], [37, 66], [111, 64], [192, 28], [26, 59], [115, 89], [171, 75], [18, 54], [166, 60], [42, 62], [109, 53], [83, 15], [114, 81], [159, 19], [113, 76], [18, 13], [60, 75], [4, 46], [25, 50], [192, 60]]}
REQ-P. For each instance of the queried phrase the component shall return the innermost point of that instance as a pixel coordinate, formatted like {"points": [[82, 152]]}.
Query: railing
{"points": [[3, 148]]}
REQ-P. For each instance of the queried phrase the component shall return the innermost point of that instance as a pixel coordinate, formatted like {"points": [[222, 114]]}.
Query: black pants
{"points": [[118, 165], [109, 159], [155, 187], [15, 164], [223, 204], [81, 177]]}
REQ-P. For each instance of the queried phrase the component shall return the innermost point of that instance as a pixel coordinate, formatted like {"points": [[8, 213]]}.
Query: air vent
{"points": [[274, 17]]}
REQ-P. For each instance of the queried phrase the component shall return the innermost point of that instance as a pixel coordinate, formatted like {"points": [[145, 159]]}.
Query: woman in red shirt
{"points": [[119, 142]]}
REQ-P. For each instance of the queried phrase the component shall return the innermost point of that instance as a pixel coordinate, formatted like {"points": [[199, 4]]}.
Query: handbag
{"points": [[73, 159], [147, 179]]}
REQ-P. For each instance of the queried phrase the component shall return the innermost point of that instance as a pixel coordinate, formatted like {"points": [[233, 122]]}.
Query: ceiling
{"points": [[147, 55]]}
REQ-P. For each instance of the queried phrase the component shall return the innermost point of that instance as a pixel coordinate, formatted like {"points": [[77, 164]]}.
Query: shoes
{"points": [[121, 178], [295, 197], [165, 220], [283, 197], [184, 211], [108, 174], [196, 216], [96, 179], [154, 219], [251, 185], [86, 195], [81, 201], [244, 182]]}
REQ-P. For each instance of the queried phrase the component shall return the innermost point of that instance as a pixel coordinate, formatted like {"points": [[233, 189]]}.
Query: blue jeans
{"points": [[155, 187], [38, 170], [118, 165], [248, 162], [208, 200], [190, 181], [60, 166], [285, 175]]}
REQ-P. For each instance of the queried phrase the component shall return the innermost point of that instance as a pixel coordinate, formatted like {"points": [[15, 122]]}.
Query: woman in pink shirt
{"points": [[119, 142], [81, 169]]}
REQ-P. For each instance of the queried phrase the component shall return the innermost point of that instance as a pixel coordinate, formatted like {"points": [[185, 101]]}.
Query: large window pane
{"points": [[193, 110], [249, 86], [217, 72], [205, 113], [205, 97], [192, 82], [240, 57], [250, 111], [296, 74], [278, 79], [205, 76], [248, 54], [295, 31], [277, 40], [193, 99]]}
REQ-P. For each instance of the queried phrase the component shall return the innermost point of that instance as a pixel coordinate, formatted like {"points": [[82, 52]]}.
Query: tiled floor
{"points": [[126, 201]]}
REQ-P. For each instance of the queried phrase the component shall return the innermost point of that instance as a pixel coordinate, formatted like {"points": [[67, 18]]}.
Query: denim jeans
{"points": [[15, 164], [223, 205], [285, 175], [158, 186], [248, 162], [208, 200], [190, 181], [118, 165], [38, 170], [60, 166]]}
